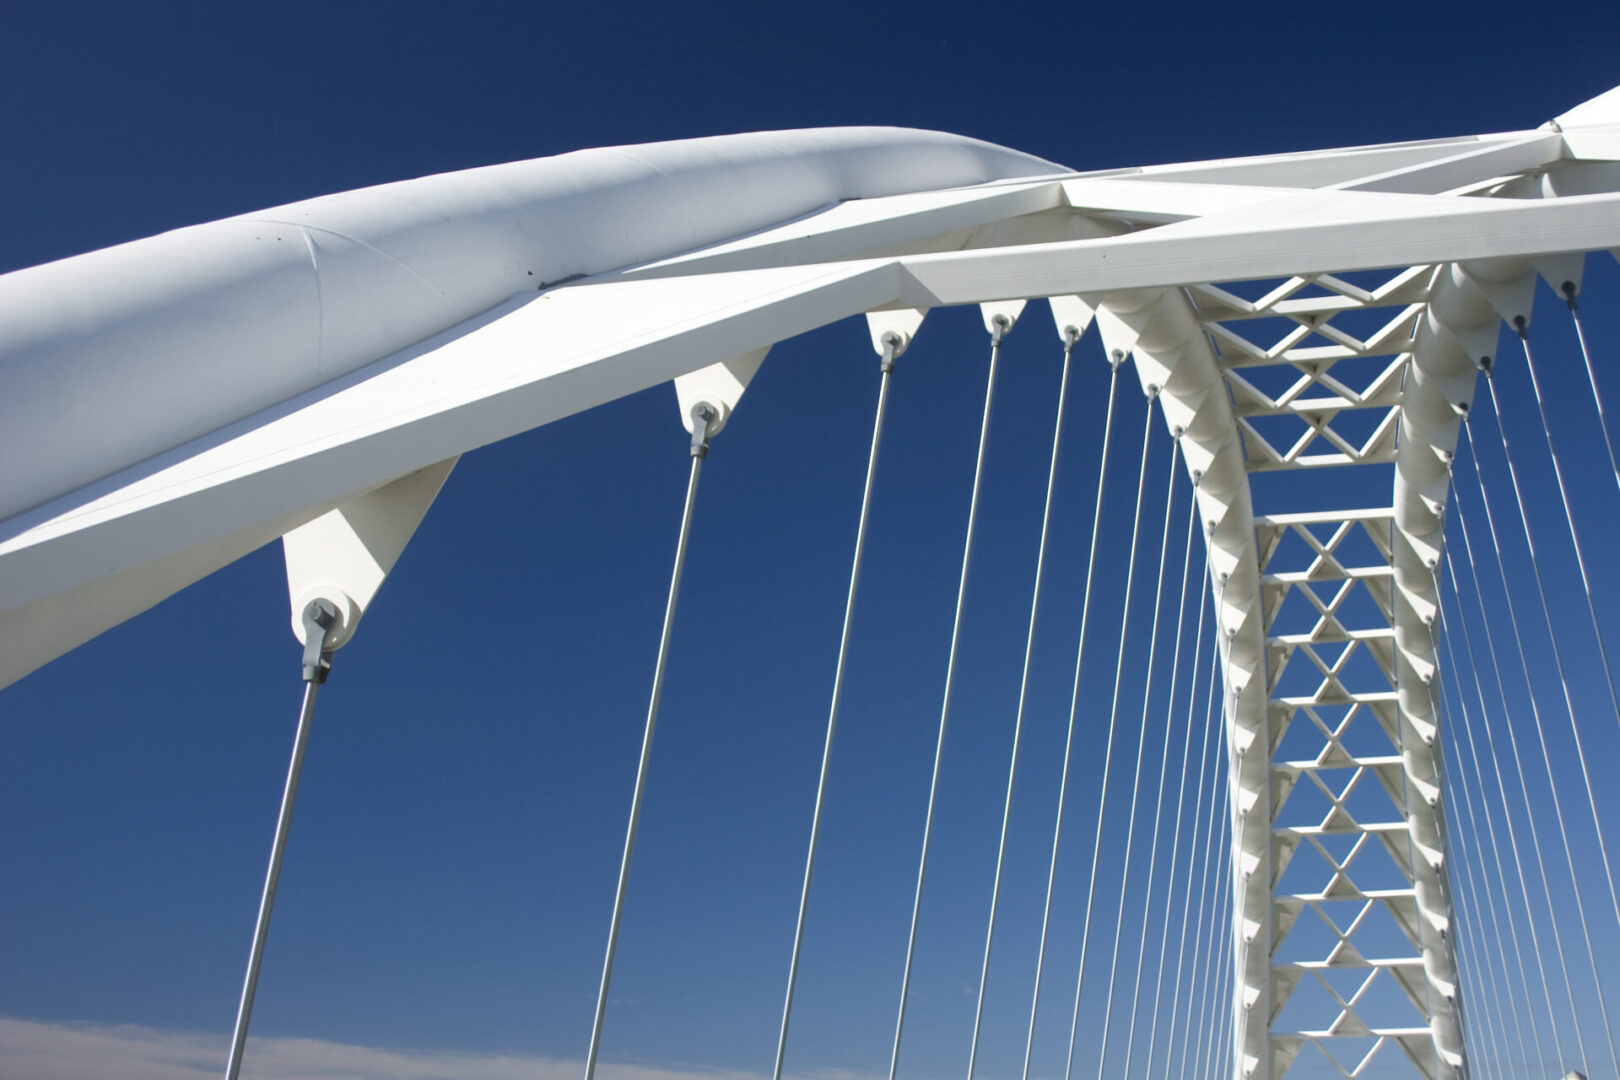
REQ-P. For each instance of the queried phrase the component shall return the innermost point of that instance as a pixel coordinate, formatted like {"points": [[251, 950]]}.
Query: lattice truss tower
{"points": [[345, 350]]}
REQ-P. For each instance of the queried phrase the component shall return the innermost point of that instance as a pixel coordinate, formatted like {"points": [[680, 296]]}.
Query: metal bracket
{"points": [[1000, 316], [719, 385], [1072, 316], [902, 323], [345, 555]]}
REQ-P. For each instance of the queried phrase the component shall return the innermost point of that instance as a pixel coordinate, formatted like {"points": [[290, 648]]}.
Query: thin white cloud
{"points": [[41, 1050]]}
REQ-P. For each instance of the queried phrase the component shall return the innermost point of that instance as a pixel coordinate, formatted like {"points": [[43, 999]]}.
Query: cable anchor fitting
{"points": [[704, 418], [320, 626], [892, 344], [1522, 325], [1567, 290], [999, 324]]}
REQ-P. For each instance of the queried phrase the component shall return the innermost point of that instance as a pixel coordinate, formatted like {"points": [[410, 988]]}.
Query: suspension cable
{"points": [[1203, 887], [1219, 796], [1535, 712], [1221, 1046], [1108, 749], [703, 418], [1608, 675], [1001, 326], [320, 618], [1215, 960], [1546, 757], [1501, 783], [1023, 697], [1591, 608], [1158, 800], [1473, 821], [1469, 964], [891, 343], [1181, 802], [1487, 990], [1591, 376], [1141, 744], [1222, 1043], [1068, 744], [1473, 923], [1580, 562]]}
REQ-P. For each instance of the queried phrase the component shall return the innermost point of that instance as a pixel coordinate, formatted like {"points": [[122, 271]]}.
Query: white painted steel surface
{"points": [[186, 336], [244, 378], [158, 341]]}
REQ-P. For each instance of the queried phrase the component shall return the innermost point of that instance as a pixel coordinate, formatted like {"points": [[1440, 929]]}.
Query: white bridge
{"points": [[1325, 315]]}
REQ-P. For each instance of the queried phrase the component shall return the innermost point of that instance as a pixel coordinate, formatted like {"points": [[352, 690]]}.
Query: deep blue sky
{"points": [[458, 831]]}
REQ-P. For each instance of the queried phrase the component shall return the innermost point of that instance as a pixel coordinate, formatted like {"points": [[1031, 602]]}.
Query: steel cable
{"points": [[1023, 698], [1513, 741], [1591, 378], [945, 705], [1202, 861], [1108, 749], [1216, 961], [1068, 744], [1472, 923], [646, 751], [1202, 950], [1141, 743], [272, 878], [1473, 821], [1175, 839], [1158, 802], [1541, 737], [1222, 1046], [887, 369], [1591, 609], [1501, 783]]}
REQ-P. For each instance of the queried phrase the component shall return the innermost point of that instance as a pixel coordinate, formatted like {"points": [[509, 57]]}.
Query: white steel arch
{"points": [[347, 349]]}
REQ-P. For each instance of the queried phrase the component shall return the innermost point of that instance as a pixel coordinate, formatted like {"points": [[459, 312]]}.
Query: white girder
{"points": [[344, 384]]}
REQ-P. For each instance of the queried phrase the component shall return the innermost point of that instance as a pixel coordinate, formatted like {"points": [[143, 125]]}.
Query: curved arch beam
{"points": [[156, 342], [327, 348]]}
